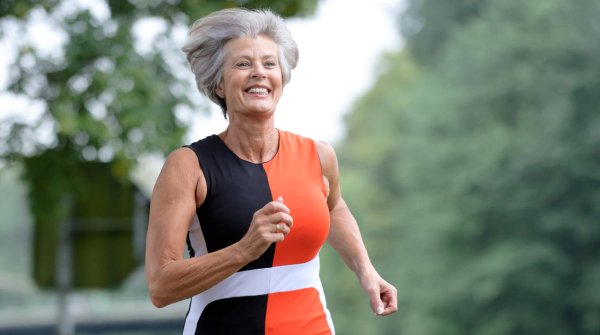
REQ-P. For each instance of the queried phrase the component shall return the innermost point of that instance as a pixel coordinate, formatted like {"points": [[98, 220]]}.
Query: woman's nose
{"points": [[258, 72]]}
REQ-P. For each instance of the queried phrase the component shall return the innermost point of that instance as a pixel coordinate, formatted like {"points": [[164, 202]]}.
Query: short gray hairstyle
{"points": [[208, 36]]}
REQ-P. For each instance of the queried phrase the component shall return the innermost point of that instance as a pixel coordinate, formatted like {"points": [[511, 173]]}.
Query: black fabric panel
{"points": [[240, 316], [189, 246], [235, 190]]}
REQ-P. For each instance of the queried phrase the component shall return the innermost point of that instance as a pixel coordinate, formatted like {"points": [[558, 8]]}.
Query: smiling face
{"points": [[252, 81]]}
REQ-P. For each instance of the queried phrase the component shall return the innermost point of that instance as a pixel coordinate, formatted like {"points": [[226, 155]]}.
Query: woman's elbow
{"points": [[157, 291], [158, 300]]}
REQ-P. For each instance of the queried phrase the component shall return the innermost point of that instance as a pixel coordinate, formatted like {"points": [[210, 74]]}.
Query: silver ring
{"points": [[277, 227]]}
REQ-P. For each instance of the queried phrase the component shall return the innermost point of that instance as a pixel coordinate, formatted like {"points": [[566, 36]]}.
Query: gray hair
{"points": [[208, 36]]}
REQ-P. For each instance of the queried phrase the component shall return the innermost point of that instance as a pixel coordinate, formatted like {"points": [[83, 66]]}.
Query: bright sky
{"points": [[340, 47]]}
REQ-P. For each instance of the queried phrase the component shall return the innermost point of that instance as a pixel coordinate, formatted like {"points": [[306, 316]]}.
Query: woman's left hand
{"points": [[382, 295]]}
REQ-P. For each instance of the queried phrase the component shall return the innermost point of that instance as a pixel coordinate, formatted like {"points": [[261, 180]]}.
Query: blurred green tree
{"points": [[480, 148], [429, 24], [368, 158], [102, 97]]}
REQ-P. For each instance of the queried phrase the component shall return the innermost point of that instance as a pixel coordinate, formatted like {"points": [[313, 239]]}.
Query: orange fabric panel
{"points": [[295, 174], [297, 312]]}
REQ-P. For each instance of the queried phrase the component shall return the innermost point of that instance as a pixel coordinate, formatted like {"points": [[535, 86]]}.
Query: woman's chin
{"points": [[260, 111]]}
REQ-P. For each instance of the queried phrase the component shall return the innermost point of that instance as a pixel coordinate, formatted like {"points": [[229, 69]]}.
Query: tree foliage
{"points": [[104, 98], [481, 163], [428, 25]]}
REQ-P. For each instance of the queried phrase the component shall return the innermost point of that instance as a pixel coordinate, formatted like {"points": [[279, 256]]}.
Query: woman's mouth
{"points": [[258, 90]]}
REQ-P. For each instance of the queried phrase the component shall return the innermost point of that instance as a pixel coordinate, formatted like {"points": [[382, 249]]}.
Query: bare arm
{"points": [[345, 238], [179, 190]]}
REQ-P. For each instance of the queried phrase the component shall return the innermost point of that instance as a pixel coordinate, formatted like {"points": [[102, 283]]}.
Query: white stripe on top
{"points": [[252, 282]]}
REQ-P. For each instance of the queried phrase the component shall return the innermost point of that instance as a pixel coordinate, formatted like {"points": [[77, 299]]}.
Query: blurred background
{"points": [[468, 134]]}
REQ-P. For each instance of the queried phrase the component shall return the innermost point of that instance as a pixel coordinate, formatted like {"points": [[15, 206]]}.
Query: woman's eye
{"points": [[243, 64], [270, 64]]}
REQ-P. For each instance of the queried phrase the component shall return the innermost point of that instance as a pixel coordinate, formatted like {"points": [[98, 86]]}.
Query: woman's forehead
{"points": [[251, 46]]}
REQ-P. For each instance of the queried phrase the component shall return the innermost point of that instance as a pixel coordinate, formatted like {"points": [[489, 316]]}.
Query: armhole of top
{"points": [[321, 181], [200, 166]]}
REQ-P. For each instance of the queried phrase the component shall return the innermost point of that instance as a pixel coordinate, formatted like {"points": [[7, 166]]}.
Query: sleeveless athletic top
{"points": [[280, 292]]}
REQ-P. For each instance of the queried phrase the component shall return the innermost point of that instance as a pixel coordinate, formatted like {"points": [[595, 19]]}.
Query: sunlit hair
{"points": [[208, 35]]}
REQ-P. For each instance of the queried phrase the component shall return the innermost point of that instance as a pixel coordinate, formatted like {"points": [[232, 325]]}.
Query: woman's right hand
{"points": [[178, 192], [269, 224]]}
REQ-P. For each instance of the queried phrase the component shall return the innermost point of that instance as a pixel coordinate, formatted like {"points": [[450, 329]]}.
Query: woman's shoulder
{"points": [[204, 143], [183, 158], [323, 147], [327, 157], [182, 173]]}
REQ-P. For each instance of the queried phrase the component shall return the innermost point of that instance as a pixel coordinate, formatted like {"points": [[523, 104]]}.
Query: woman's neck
{"points": [[255, 141]]}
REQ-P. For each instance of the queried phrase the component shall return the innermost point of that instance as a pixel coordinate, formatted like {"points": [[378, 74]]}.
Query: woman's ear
{"points": [[220, 91]]}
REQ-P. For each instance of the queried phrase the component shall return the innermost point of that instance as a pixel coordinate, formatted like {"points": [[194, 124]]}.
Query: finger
{"points": [[276, 206], [376, 304], [389, 297], [389, 309], [281, 228], [282, 218], [291, 223], [271, 208]]}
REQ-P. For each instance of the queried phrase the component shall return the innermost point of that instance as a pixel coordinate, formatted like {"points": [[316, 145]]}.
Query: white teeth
{"points": [[258, 90]]}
